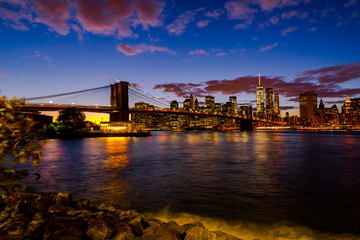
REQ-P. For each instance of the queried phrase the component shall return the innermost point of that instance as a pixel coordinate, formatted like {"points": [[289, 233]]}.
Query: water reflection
{"points": [[298, 178]]}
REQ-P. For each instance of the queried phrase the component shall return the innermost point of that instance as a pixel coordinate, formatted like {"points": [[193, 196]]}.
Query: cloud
{"points": [[324, 81], [214, 14], [4, 74], [350, 3], [203, 23], [182, 89], [289, 30], [269, 5], [325, 12], [220, 54], [313, 29], [274, 20], [240, 10], [54, 14], [199, 52], [132, 50], [240, 26], [178, 26], [43, 55], [268, 47], [290, 14], [111, 17]]}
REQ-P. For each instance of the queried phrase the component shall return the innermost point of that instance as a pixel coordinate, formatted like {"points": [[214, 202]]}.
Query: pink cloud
{"points": [[289, 30], [214, 14], [240, 10], [350, 3], [99, 17], [268, 47], [4, 74], [220, 54], [54, 14], [240, 26], [274, 19], [290, 14], [323, 81], [203, 23], [178, 26], [132, 50], [199, 52], [313, 29]]}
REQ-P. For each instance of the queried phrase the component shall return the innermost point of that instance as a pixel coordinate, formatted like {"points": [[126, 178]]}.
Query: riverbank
{"points": [[58, 216]]}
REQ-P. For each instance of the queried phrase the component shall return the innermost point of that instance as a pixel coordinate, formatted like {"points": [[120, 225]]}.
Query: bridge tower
{"points": [[120, 99]]}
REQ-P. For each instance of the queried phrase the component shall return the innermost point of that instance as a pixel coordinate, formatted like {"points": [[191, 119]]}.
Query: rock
{"points": [[152, 222], [99, 229], [32, 228], [84, 204], [199, 233], [64, 198], [138, 225], [176, 227], [64, 227], [225, 236], [58, 209], [4, 215], [191, 225], [44, 201], [124, 233], [106, 207], [160, 233], [13, 228]]}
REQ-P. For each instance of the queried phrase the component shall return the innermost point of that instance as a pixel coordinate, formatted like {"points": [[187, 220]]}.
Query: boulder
{"points": [[64, 198], [138, 225], [199, 233], [99, 229], [106, 207], [160, 233], [64, 227]]}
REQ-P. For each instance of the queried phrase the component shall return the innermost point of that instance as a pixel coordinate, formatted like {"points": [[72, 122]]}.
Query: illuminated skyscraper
{"points": [[269, 102], [233, 101], [174, 105], [308, 106], [276, 105], [260, 99]]}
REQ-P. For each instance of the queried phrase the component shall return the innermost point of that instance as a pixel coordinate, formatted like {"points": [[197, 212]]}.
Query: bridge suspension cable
{"points": [[148, 97], [65, 94]]}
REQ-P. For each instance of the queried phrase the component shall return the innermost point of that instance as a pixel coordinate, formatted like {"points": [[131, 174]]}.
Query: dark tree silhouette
{"points": [[71, 120]]}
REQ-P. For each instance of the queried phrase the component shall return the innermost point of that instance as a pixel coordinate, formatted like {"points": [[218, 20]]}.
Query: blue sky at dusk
{"points": [[174, 48]]}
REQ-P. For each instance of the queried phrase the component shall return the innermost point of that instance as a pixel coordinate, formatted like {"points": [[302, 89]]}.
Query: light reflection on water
{"points": [[298, 178]]}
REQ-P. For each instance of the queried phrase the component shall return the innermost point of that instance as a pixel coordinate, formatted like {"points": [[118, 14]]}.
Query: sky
{"points": [[175, 48]]}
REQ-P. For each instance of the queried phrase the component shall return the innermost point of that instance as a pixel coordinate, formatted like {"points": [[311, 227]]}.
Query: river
{"points": [[259, 184]]}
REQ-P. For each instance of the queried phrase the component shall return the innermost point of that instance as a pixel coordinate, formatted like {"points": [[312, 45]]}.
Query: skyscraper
{"points": [[174, 105], [260, 99], [308, 106], [233, 101], [269, 102], [276, 105]]}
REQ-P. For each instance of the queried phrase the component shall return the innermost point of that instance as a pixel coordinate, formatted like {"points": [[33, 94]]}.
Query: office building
{"points": [[260, 100], [308, 106]]}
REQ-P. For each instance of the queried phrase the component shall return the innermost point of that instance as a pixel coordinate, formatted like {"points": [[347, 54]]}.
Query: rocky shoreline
{"points": [[58, 216]]}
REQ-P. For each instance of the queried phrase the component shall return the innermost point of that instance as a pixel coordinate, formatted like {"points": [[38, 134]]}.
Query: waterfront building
{"points": [[245, 111], [327, 117], [217, 108], [192, 103], [233, 101], [197, 107], [187, 105], [260, 100], [276, 105], [174, 105], [308, 107], [141, 105], [209, 104], [350, 112], [269, 107]]}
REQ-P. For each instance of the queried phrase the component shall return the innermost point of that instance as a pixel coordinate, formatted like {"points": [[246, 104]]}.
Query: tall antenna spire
{"points": [[259, 79]]}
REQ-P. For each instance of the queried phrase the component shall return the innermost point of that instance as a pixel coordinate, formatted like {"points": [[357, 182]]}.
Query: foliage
{"points": [[71, 120], [18, 139], [18, 143]]}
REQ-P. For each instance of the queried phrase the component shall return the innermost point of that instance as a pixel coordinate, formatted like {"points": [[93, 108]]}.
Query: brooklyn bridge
{"points": [[119, 110]]}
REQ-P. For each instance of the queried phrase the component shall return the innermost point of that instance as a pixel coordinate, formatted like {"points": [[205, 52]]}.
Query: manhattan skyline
{"points": [[172, 49]]}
